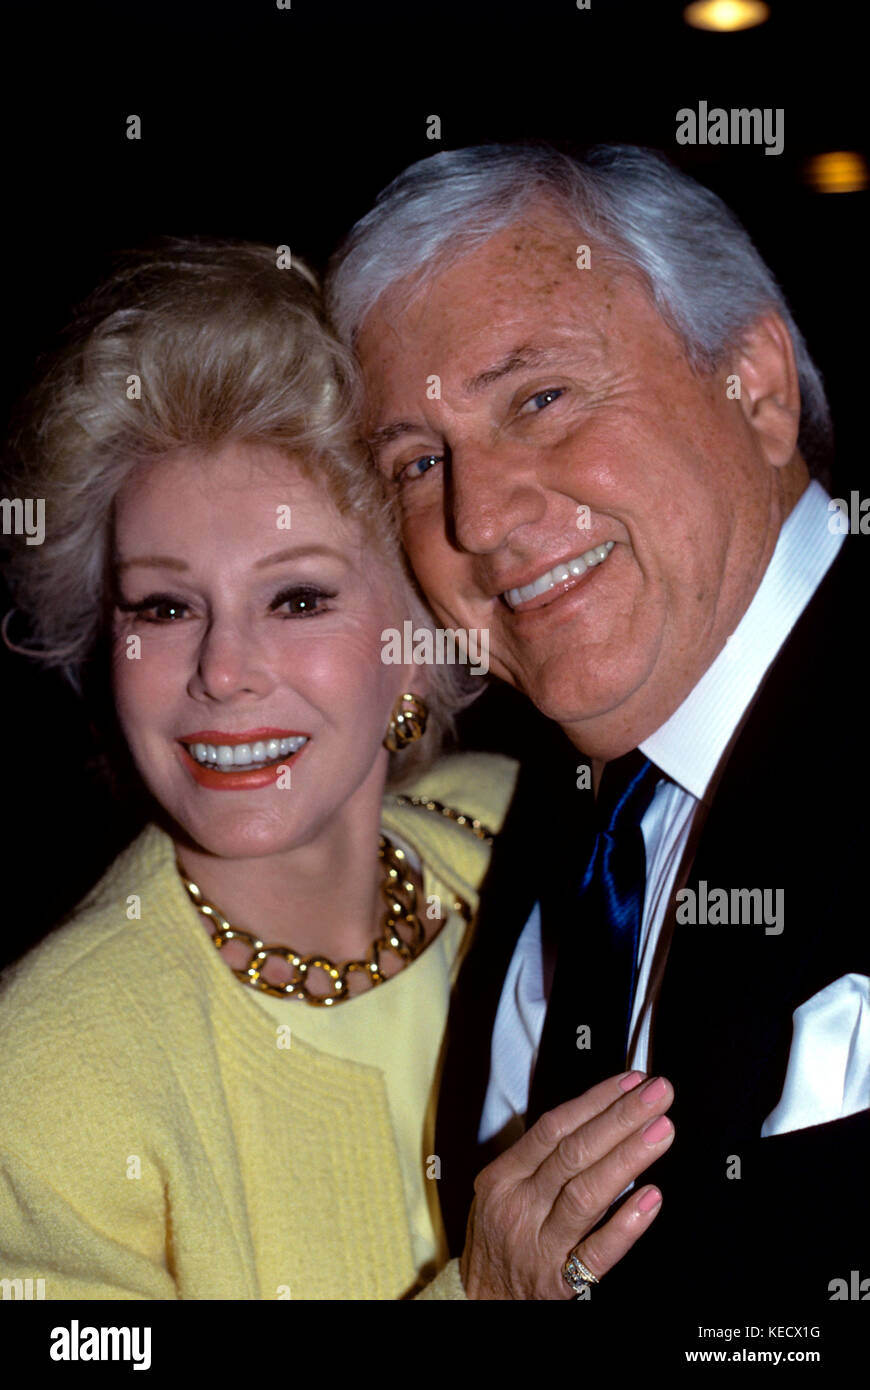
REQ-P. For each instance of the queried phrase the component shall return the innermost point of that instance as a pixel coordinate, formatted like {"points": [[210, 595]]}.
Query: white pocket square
{"points": [[828, 1073]]}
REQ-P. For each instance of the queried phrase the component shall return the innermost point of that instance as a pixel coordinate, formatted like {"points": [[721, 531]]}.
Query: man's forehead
{"points": [[542, 242], [527, 261], [529, 275]]}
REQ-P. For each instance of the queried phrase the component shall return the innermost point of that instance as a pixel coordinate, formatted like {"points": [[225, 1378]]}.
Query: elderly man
{"points": [[599, 419]]}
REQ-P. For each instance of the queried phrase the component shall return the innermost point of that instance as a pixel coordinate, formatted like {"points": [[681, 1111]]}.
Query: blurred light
{"points": [[724, 16], [837, 171]]}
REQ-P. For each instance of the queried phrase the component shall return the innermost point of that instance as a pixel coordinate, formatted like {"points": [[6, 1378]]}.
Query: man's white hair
{"points": [[699, 264]]}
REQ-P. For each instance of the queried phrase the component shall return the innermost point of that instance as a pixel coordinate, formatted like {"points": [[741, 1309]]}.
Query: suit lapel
{"points": [[728, 991]]}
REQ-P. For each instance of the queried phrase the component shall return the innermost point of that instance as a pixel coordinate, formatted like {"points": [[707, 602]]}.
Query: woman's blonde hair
{"points": [[190, 344]]}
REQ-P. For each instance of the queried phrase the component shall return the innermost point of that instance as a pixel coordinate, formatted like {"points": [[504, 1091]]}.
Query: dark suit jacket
{"points": [[789, 812]]}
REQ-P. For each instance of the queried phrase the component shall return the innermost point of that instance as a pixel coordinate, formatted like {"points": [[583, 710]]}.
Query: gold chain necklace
{"points": [[477, 827], [400, 914]]}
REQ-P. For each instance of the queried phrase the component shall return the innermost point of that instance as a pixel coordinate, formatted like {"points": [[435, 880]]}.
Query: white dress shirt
{"points": [[688, 748]]}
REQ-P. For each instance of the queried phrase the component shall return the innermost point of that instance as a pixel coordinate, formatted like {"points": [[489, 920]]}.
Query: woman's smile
{"points": [[240, 766]]}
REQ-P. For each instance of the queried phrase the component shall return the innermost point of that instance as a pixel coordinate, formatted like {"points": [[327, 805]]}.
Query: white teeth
{"points": [[574, 568], [227, 756]]}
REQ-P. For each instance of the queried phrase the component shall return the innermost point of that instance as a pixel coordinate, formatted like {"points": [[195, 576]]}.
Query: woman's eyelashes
{"points": [[301, 601], [143, 607], [305, 600]]}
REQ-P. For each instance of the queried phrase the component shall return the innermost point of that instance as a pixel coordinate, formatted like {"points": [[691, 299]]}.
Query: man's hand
{"points": [[534, 1205]]}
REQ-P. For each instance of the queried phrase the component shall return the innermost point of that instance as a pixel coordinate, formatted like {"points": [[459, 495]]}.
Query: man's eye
{"points": [[417, 467], [542, 400]]}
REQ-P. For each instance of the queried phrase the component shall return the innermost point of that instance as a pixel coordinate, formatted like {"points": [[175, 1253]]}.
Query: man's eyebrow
{"points": [[387, 433], [517, 360]]}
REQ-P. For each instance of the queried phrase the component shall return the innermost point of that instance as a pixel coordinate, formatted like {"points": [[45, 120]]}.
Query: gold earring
{"points": [[407, 722]]}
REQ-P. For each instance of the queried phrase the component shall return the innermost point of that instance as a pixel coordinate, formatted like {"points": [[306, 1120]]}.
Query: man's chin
{"points": [[579, 706]]}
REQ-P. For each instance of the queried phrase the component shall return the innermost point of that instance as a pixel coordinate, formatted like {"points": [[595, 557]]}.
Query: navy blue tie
{"points": [[585, 1035]]}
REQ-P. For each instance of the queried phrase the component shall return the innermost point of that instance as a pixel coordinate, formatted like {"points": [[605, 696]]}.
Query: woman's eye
{"points": [[156, 608], [302, 602], [543, 399], [417, 467]]}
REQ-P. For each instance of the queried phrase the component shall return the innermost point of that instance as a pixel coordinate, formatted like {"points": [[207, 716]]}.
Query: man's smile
{"points": [[561, 577]]}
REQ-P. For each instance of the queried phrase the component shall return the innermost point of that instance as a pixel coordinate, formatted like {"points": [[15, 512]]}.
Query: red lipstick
{"points": [[236, 781]]}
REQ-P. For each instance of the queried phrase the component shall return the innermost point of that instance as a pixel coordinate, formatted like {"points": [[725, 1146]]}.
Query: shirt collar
{"points": [[689, 745]]}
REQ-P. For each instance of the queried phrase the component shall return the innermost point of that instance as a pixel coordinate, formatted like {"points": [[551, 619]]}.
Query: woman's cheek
{"points": [[351, 665]]}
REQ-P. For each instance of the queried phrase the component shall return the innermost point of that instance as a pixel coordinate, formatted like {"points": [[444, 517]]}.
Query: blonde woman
{"points": [[219, 1073]]}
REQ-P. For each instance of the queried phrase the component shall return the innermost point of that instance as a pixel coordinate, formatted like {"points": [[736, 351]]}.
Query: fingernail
{"points": [[654, 1090], [657, 1130], [633, 1079], [649, 1200]]}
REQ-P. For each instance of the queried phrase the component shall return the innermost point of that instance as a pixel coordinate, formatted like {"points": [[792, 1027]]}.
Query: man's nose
{"points": [[230, 661], [494, 490]]}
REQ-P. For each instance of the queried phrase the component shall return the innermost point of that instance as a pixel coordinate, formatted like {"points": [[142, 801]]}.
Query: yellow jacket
{"points": [[156, 1143]]}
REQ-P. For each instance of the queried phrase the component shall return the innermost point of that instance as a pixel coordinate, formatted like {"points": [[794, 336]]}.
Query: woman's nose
{"points": [[230, 661]]}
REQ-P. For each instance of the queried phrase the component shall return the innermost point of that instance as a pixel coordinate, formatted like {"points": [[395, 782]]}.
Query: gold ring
{"points": [[575, 1273]]}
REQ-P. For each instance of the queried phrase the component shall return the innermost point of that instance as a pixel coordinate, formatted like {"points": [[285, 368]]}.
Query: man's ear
{"points": [[769, 390]]}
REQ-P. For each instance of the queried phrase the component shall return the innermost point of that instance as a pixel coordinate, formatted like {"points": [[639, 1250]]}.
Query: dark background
{"points": [[281, 126]]}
